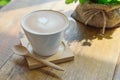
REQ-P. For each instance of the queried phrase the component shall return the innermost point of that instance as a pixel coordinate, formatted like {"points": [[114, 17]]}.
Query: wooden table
{"points": [[11, 64]]}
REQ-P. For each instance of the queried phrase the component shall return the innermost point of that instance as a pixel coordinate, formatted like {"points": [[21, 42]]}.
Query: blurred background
{"points": [[3, 3]]}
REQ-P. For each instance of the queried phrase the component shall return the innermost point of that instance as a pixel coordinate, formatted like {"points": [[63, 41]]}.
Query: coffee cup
{"points": [[44, 29]]}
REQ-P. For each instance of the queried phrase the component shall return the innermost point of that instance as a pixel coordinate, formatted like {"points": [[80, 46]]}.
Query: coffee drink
{"points": [[45, 22], [43, 29]]}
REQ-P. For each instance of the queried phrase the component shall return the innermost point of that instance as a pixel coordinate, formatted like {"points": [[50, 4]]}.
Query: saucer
{"points": [[63, 54]]}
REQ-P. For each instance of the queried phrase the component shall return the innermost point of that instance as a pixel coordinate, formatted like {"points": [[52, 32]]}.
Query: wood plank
{"points": [[95, 57], [104, 52], [24, 3], [64, 54], [7, 40], [117, 71], [16, 69]]}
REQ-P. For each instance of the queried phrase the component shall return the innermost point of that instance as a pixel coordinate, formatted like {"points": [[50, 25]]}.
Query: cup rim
{"points": [[36, 33]]}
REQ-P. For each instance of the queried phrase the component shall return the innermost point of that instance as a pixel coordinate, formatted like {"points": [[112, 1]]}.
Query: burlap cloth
{"points": [[98, 15]]}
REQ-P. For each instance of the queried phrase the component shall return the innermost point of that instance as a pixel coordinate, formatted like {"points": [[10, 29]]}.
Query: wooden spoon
{"points": [[22, 51]]}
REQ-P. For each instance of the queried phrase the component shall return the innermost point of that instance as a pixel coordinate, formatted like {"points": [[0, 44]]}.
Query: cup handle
{"points": [[72, 26], [72, 29], [72, 21]]}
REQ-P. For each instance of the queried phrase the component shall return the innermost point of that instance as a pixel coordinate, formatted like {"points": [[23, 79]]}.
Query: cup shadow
{"points": [[87, 33]]}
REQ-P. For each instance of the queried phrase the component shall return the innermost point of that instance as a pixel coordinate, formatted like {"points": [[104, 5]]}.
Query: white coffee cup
{"points": [[45, 43]]}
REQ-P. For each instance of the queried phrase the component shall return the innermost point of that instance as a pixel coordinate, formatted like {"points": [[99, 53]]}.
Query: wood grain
{"points": [[64, 54], [10, 30], [95, 56]]}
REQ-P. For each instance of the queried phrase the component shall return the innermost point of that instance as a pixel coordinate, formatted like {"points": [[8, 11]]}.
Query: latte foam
{"points": [[45, 21]]}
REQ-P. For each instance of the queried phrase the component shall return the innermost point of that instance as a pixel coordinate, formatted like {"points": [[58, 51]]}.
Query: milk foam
{"points": [[45, 21]]}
